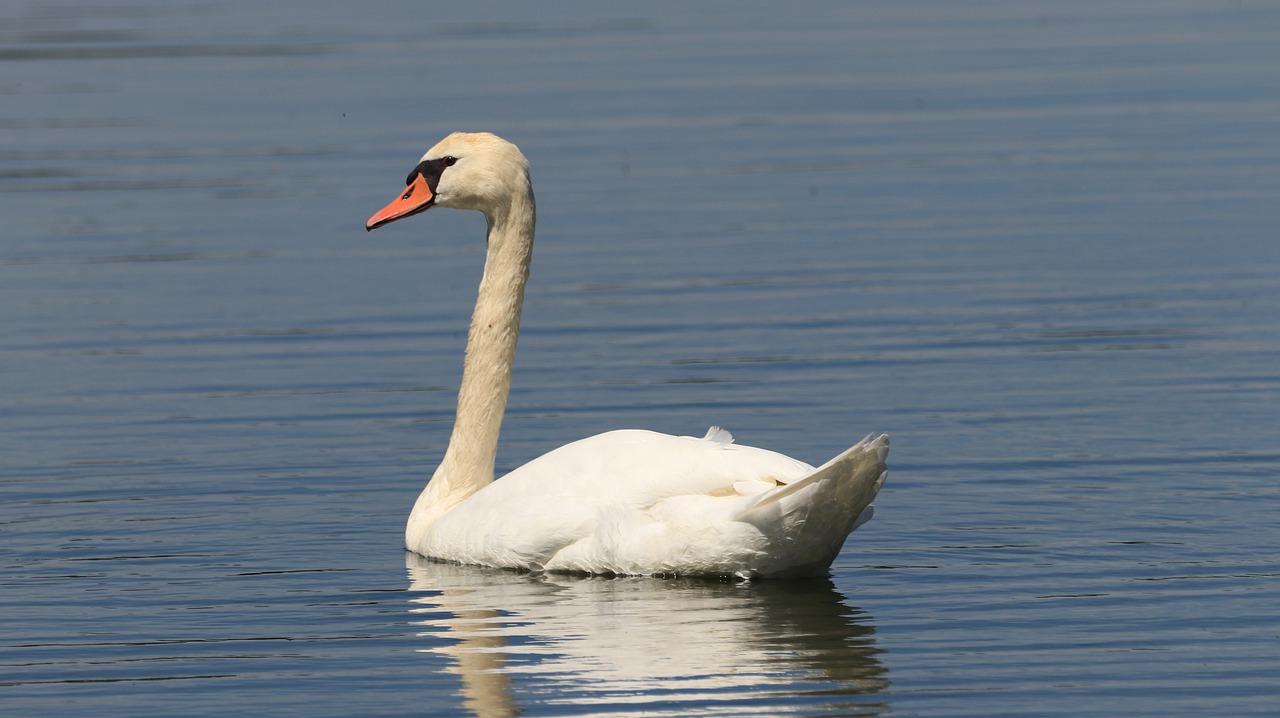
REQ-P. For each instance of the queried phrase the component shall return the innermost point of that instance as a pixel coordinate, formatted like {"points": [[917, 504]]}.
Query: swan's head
{"points": [[465, 170]]}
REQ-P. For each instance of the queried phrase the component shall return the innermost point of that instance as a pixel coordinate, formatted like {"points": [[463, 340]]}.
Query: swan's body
{"points": [[622, 502]]}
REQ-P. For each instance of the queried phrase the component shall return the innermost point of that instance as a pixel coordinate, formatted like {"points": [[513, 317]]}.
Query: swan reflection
{"points": [[522, 642]]}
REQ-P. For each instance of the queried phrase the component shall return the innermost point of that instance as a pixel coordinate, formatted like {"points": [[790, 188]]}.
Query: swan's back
{"points": [[640, 503]]}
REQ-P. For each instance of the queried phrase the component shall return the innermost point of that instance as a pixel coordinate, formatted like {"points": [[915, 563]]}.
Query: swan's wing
{"points": [[608, 487], [633, 467]]}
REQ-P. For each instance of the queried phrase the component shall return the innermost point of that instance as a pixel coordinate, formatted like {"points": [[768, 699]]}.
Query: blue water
{"points": [[1036, 242]]}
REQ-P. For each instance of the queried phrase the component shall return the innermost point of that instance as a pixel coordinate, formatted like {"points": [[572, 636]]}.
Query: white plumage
{"points": [[623, 502]]}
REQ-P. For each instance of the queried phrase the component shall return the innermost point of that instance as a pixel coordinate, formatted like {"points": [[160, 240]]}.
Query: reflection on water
{"points": [[660, 647]]}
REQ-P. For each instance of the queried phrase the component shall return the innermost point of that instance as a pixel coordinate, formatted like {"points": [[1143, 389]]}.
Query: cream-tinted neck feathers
{"points": [[491, 176]]}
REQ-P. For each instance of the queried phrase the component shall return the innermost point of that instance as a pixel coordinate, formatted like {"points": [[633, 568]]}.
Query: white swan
{"points": [[623, 502]]}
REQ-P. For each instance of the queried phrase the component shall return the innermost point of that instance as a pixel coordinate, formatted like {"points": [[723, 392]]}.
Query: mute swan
{"points": [[623, 502]]}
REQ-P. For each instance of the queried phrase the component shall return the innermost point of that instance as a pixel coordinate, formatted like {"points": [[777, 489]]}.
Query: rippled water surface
{"points": [[1035, 241]]}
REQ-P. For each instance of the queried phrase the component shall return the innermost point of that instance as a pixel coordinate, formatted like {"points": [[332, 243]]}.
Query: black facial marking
{"points": [[431, 171]]}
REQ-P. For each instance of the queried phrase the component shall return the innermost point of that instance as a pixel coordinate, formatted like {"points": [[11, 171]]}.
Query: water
{"points": [[1035, 242]]}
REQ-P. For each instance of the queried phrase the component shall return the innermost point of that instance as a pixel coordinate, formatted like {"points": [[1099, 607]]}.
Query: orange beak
{"points": [[417, 197]]}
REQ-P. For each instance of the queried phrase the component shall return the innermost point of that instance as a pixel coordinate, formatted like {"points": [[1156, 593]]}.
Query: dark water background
{"points": [[1035, 241]]}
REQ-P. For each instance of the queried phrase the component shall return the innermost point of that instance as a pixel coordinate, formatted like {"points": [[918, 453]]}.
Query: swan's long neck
{"points": [[468, 463]]}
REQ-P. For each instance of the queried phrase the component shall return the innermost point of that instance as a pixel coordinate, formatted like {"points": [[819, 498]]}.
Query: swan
{"points": [[625, 502]]}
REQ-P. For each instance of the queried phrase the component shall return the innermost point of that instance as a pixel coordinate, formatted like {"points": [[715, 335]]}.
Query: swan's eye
{"points": [[430, 170]]}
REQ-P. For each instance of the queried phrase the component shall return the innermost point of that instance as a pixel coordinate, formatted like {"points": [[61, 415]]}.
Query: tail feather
{"points": [[864, 461], [810, 518]]}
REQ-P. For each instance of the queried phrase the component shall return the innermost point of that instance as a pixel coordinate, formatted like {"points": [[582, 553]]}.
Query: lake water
{"points": [[1036, 242]]}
